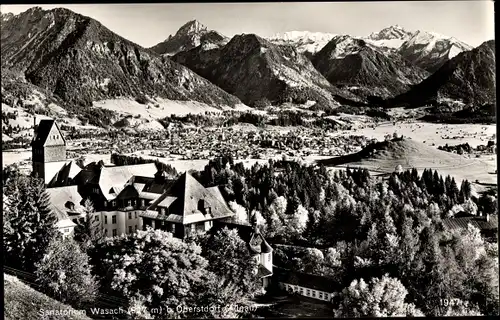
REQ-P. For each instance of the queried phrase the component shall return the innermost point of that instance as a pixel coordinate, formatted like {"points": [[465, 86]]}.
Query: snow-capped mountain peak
{"points": [[192, 27], [430, 50], [390, 33]]}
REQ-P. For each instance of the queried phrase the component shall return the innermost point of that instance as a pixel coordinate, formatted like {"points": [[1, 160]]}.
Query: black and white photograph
{"points": [[249, 160]]}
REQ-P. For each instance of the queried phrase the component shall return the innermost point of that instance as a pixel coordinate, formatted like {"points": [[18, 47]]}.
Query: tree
{"points": [[155, 269], [89, 231], [30, 223], [241, 212], [383, 297], [65, 272], [228, 256]]}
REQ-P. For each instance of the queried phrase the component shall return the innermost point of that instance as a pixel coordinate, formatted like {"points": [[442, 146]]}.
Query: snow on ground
{"points": [[160, 108], [6, 137], [388, 43], [431, 133]]}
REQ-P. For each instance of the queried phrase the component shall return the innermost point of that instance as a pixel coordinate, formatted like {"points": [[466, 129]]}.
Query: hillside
{"points": [[24, 303], [80, 61], [467, 79], [365, 69], [385, 156], [189, 36], [254, 69]]}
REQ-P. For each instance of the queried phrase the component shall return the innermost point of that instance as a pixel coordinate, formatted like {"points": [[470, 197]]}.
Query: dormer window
{"points": [[70, 205]]}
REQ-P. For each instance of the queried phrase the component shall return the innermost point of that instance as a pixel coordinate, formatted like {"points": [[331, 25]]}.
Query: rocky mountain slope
{"points": [[365, 69], [467, 79], [255, 69], [189, 36], [81, 61], [430, 50]]}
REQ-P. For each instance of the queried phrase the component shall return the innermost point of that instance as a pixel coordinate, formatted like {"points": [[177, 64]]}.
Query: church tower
{"points": [[48, 149]]}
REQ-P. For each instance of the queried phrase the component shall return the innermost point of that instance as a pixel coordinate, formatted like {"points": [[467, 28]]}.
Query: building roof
{"points": [[118, 176], [184, 197], [43, 131], [68, 171], [306, 280], [478, 222], [53, 169], [263, 272], [250, 235], [60, 198]]}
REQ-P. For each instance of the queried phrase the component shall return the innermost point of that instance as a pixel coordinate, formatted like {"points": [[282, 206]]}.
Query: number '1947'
{"points": [[452, 302]]}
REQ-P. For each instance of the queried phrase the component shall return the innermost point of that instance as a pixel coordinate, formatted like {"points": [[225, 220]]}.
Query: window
{"points": [[162, 211], [129, 229], [105, 203], [114, 232], [314, 294], [268, 257], [193, 227], [114, 203], [113, 219], [302, 291], [129, 203], [130, 215], [66, 230], [320, 295], [308, 292], [173, 227], [136, 214], [96, 218], [105, 219], [142, 202]]}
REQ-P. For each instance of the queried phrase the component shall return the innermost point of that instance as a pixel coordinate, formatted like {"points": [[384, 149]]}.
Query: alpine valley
{"points": [[60, 63], [208, 173]]}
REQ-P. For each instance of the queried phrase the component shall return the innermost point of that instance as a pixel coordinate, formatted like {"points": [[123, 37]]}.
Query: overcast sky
{"points": [[148, 24]]}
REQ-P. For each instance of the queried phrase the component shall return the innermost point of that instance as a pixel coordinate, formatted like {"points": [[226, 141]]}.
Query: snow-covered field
{"points": [[431, 133], [164, 107]]}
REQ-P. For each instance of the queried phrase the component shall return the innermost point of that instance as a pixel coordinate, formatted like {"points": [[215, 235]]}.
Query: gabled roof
{"points": [[52, 170], [478, 222], [59, 198], [68, 171], [250, 235], [118, 176], [263, 272], [187, 193], [43, 130]]}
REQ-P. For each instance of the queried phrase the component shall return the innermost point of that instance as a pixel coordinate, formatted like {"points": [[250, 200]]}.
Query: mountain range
{"points": [[78, 61], [81, 61]]}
